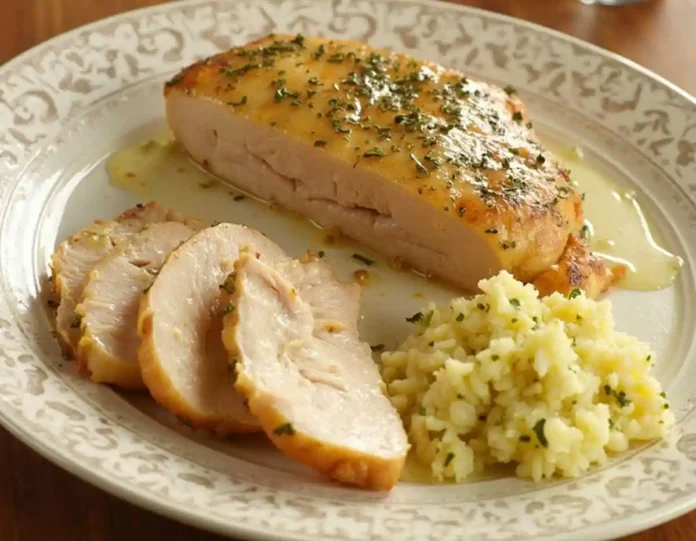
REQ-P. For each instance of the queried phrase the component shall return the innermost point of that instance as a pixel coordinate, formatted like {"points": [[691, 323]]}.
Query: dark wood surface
{"points": [[39, 501]]}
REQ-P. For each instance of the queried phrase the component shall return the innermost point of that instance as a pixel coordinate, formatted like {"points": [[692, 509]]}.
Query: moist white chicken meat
{"points": [[182, 358], [108, 347], [416, 161], [76, 257], [310, 381]]}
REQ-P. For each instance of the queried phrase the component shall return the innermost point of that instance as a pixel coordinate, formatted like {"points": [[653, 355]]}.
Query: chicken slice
{"points": [[578, 268], [310, 381], [77, 256], [108, 348], [182, 358]]}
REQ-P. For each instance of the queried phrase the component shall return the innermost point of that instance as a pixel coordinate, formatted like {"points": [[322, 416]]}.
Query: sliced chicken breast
{"points": [[182, 358], [108, 348], [77, 256], [310, 381], [414, 160]]}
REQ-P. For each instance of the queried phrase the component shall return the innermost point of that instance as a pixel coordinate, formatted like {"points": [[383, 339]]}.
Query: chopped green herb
{"points": [[622, 400], [450, 457], [299, 40], [607, 390], [336, 58], [415, 318], [517, 116], [316, 55], [585, 232], [321, 254], [319, 143], [663, 394], [227, 287], [539, 431], [284, 430], [419, 166], [515, 303], [525, 438], [363, 259], [495, 357], [337, 126], [611, 424], [540, 160], [228, 309], [574, 293], [231, 72], [460, 317], [421, 411], [282, 92], [374, 153]]}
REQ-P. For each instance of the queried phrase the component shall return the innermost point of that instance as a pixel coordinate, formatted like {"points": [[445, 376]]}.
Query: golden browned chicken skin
{"points": [[578, 269], [444, 153]]}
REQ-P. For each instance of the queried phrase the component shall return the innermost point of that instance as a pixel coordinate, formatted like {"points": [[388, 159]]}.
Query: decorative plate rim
{"points": [[20, 426]]}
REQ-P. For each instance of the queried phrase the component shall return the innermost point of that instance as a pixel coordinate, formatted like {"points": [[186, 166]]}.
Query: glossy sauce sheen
{"points": [[616, 226], [462, 147]]}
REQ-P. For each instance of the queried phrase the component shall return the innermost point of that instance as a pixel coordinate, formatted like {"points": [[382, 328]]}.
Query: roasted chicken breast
{"points": [[309, 379], [412, 159]]}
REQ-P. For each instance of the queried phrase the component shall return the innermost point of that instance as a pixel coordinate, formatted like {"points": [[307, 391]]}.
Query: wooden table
{"points": [[39, 501]]}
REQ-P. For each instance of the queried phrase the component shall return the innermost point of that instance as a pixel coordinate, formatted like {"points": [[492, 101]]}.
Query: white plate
{"points": [[66, 104]]}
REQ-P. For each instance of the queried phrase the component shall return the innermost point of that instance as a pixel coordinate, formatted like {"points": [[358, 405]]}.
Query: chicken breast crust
{"points": [[182, 358], [414, 160], [310, 381]]}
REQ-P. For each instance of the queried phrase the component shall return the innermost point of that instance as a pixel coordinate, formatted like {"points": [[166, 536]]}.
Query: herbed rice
{"points": [[548, 384]]}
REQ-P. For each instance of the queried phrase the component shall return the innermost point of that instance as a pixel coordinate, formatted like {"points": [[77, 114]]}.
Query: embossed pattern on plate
{"points": [[67, 103]]}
